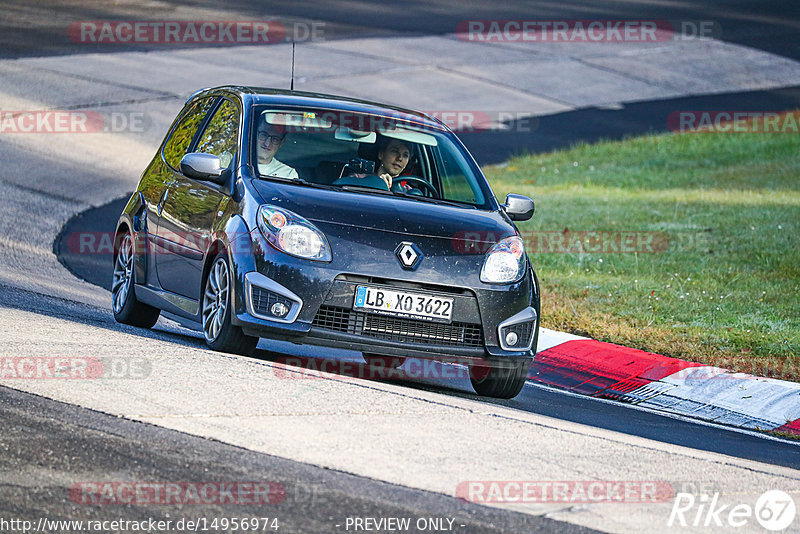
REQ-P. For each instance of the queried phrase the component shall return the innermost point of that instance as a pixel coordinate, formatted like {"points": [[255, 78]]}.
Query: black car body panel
{"points": [[181, 224]]}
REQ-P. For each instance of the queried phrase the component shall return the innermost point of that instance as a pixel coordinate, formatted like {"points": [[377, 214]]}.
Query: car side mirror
{"points": [[205, 167], [518, 207]]}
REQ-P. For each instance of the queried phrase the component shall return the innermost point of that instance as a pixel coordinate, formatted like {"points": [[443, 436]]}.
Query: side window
{"points": [[178, 143], [221, 136], [456, 185]]}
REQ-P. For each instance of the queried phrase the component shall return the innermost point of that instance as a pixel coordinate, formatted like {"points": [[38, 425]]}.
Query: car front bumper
{"points": [[318, 299]]}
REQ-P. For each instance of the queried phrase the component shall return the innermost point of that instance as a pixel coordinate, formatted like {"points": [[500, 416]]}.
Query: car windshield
{"points": [[366, 153]]}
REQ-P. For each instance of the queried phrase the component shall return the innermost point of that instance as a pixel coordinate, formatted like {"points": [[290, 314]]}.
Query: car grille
{"points": [[264, 299], [524, 332], [398, 329]]}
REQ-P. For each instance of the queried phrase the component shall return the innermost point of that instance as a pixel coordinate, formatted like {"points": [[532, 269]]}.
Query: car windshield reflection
{"points": [[364, 153]]}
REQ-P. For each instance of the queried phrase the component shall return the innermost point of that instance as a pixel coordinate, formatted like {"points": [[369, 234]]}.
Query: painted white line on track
{"points": [[671, 415], [553, 338]]}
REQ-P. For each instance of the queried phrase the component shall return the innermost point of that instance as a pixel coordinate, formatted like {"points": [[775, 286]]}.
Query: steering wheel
{"points": [[413, 180]]}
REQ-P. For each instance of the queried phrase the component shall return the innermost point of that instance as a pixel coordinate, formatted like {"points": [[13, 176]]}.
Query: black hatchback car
{"points": [[329, 221]]}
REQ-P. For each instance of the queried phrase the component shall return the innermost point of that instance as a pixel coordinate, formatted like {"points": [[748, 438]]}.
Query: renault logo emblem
{"points": [[409, 255]]}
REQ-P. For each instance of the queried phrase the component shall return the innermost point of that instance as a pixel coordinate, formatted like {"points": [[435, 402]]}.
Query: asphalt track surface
{"points": [[48, 439], [533, 398], [53, 440], [49, 446], [38, 28]]}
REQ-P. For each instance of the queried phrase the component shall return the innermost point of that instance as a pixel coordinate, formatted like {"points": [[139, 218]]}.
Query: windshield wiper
{"points": [[432, 200], [298, 181], [363, 189]]}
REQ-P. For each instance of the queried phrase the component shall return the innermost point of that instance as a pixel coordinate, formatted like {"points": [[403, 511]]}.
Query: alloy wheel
{"points": [[123, 273], [215, 299]]}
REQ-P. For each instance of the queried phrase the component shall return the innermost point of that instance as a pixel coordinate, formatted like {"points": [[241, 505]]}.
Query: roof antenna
{"points": [[292, 84]]}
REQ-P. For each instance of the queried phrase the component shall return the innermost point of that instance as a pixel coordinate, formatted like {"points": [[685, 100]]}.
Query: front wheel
{"points": [[218, 331], [126, 307], [499, 381]]}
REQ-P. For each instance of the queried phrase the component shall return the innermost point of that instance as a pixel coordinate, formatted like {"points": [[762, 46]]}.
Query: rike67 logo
{"points": [[774, 510]]}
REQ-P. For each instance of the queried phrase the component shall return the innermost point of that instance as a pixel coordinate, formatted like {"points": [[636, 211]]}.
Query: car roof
{"points": [[302, 99]]}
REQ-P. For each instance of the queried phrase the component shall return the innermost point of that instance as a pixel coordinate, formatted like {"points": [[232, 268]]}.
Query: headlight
{"points": [[292, 234], [505, 262]]}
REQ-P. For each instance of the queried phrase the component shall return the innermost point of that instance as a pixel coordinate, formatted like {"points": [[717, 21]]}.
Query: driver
{"points": [[269, 140], [392, 159]]}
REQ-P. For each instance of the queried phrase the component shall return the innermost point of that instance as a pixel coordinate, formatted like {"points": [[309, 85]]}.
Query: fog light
{"points": [[279, 309], [511, 339]]}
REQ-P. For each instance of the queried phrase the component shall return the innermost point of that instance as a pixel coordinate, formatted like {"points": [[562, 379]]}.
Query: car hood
{"points": [[386, 213]]}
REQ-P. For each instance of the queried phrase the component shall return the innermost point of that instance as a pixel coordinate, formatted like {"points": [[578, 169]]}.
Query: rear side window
{"points": [[178, 142], [221, 136]]}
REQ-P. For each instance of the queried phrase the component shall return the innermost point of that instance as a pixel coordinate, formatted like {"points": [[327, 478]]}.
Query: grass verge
{"points": [[686, 245]]}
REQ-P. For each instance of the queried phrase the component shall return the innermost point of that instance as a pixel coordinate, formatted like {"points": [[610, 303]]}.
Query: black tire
{"points": [[126, 307], [215, 312], [500, 381]]}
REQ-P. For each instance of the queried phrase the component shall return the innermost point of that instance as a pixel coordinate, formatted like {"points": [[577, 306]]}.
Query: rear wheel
{"points": [[501, 381], [127, 309], [219, 332]]}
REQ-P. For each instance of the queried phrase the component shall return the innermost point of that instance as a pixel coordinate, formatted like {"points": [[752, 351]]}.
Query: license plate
{"points": [[404, 304]]}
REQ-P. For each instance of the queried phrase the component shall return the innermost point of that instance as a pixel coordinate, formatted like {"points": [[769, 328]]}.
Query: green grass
{"points": [[723, 211], [785, 435]]}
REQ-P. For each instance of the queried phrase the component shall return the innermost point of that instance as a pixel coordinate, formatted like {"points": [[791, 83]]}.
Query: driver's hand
{"points": [[404, 187], [387, 178]]}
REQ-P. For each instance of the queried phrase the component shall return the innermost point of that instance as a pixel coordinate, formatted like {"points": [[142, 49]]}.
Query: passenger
{"points": [[269, 140]]}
